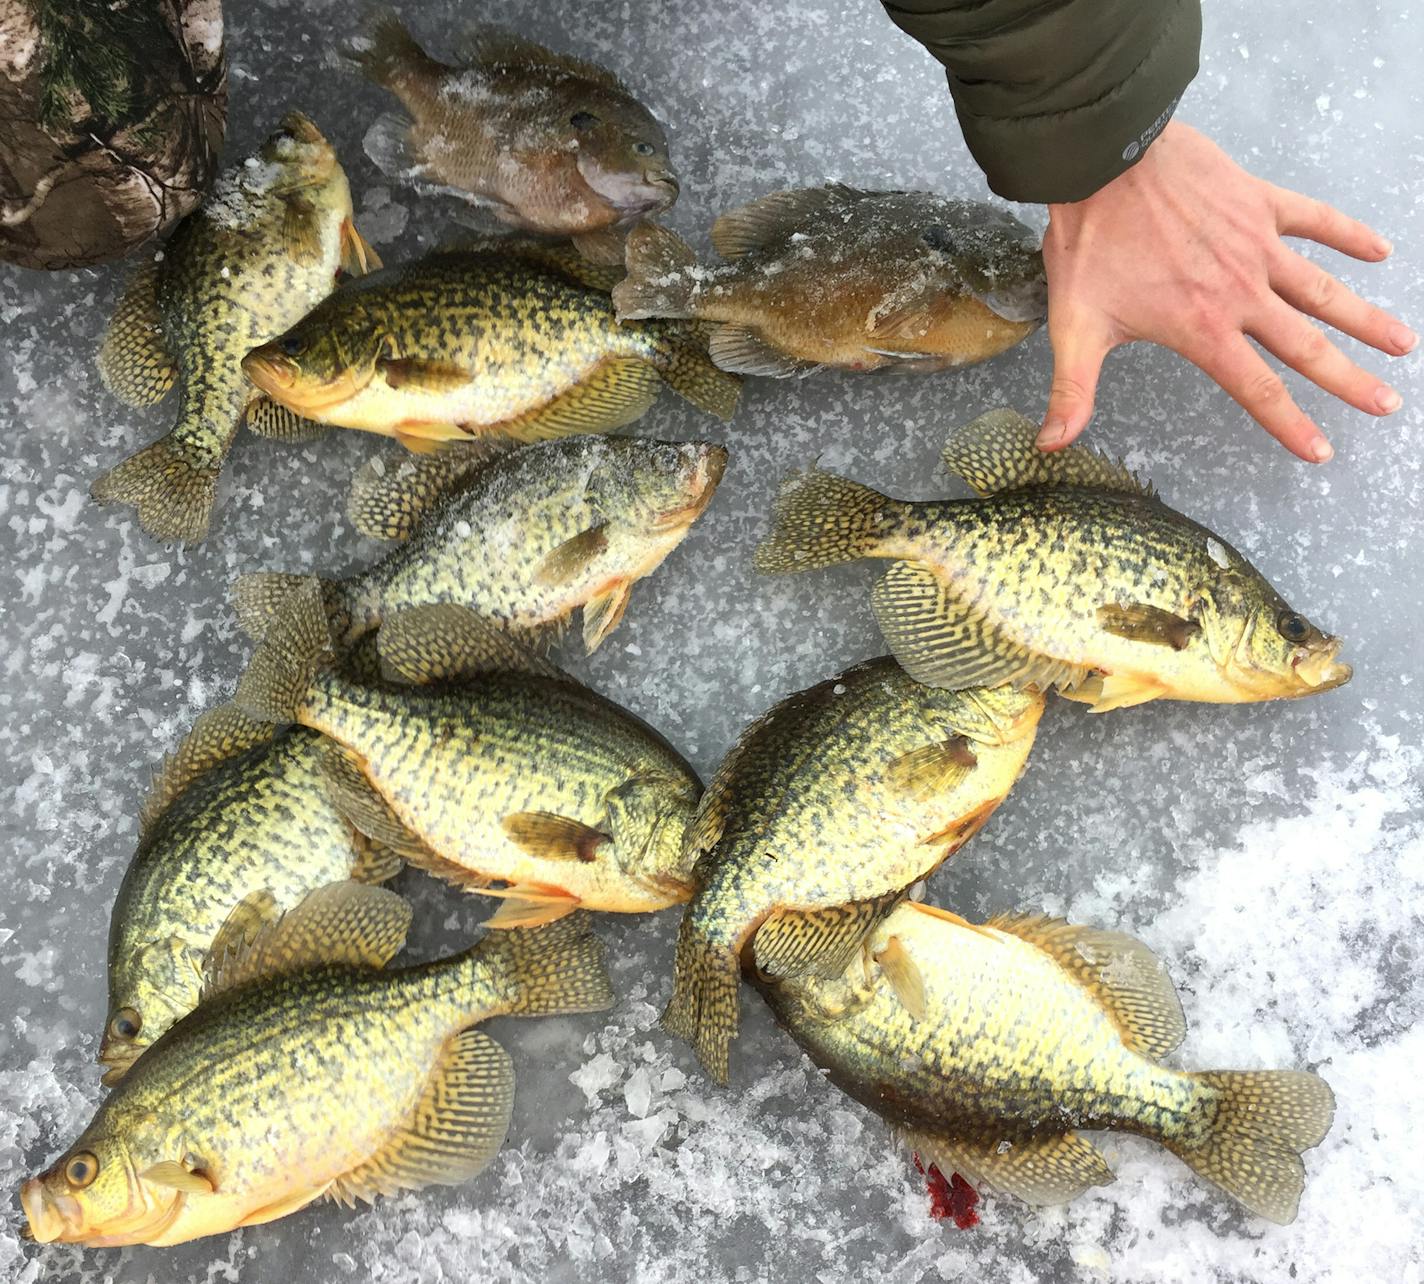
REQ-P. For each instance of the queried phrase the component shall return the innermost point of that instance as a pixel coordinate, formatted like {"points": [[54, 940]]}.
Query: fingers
{"points": [[1239, 368], [1305, 347], [1298, 215], [1311, 289], [1078, 351]]}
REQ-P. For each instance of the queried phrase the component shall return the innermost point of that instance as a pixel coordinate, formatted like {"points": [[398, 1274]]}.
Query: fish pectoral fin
{"points": [[427, 438], [357, 255], [1105, 692], [301, 229], [389, 497], [217, 735], [573, 557], [904, 976], [1139, 622], [603, 248], [617, 392], [529, 905], [361, 803], [444, 642], [456, 1128], [602, 613], [133, 361], [739, 350], [372, 861], [999, 452], [272, 420], [768, 219], [179, 1177], [550, 837], [943, 641], [282, 1208], [421, 374], [347, 922], [1045, 1169], [1123, 976], [932, 768], [821, 942]]}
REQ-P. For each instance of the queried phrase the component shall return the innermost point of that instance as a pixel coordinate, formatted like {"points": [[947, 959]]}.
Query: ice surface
{"points": [[1274, 855]]}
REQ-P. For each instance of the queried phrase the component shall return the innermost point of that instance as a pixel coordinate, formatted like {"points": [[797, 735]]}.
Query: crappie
{"points": [[523, 538], [851, 280], [510, 770], [308, 1072], [985, 1047], [506, 337], [1068, 572], [238, 830], [263, 248], [827, 809], [548, 142]]}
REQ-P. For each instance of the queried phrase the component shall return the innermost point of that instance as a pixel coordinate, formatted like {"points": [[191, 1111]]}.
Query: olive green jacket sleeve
{"points": [[1058, 97]]}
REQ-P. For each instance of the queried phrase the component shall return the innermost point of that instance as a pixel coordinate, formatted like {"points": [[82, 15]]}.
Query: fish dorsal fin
{"points": [[217, 735], [773, 217], [996, 452], [133, 360], [493, 46], [1125, 978], [346, 923], [389, 497], [821, 941], [455, 1129], [1049, 1168], [448, 643]]}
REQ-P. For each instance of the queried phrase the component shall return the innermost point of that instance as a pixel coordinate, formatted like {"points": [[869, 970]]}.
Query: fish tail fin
{"points": [[820, 519], [705, 1010], [295, 647], [660, 280], [691, 373], [1260, 1122], [383, 50], [550, 970], [172, 487], [263, 596]]}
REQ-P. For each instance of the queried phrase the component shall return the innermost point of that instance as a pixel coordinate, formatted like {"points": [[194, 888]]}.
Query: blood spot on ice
{"points": [[954, 1199]]}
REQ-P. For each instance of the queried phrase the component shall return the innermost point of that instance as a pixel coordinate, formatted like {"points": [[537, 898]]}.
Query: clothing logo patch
{"points": [[1139, 144]]}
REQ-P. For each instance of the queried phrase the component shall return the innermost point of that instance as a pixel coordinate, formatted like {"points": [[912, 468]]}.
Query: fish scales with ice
{"points": [[986, 1046], [825, 812], [264, 247], [309, 1072], [505, 337], [1067, 571], [251, 834], [523, 538]]}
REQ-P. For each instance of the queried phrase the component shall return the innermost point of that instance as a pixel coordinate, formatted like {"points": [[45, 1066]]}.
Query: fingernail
{"points": [[1322, 451], [1051, 434], [1403, 338], [1383, 246], [1388, 400]]}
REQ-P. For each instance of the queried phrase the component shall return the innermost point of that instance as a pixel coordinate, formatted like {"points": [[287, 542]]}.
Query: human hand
{"points": [[1185, 250]]}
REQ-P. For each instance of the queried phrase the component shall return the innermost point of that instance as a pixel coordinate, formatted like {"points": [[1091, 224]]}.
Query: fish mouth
{"points": [[51, 1217], [1317, 667], [270, 370], [118, 1056], [301, 127], [276, 374], [701, 485]]}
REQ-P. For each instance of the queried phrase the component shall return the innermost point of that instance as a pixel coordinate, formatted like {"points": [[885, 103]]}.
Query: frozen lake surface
{"points": [[1273, 855]]}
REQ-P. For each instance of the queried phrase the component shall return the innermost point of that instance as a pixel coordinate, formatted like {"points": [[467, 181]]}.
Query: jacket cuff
{"points": [[1067, 156]]}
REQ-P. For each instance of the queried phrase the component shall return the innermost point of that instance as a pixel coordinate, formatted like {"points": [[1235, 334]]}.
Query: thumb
{"points": [[1078, 354]]}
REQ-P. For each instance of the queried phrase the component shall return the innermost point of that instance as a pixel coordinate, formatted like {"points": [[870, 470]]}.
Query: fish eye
{"points": [[1293, 627], [643, 149], [583, 120], [126, 1024], [81, 1169], [293, 345]]}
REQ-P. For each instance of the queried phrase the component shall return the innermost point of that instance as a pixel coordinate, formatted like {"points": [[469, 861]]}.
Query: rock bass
{"points": [[825, 812], [506, 337], [263, 248], [1068, 571], [546, 141], [510, 770], [308, 1072], [985, 1047], [845, 279], [523, 538], [238, 829]]}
